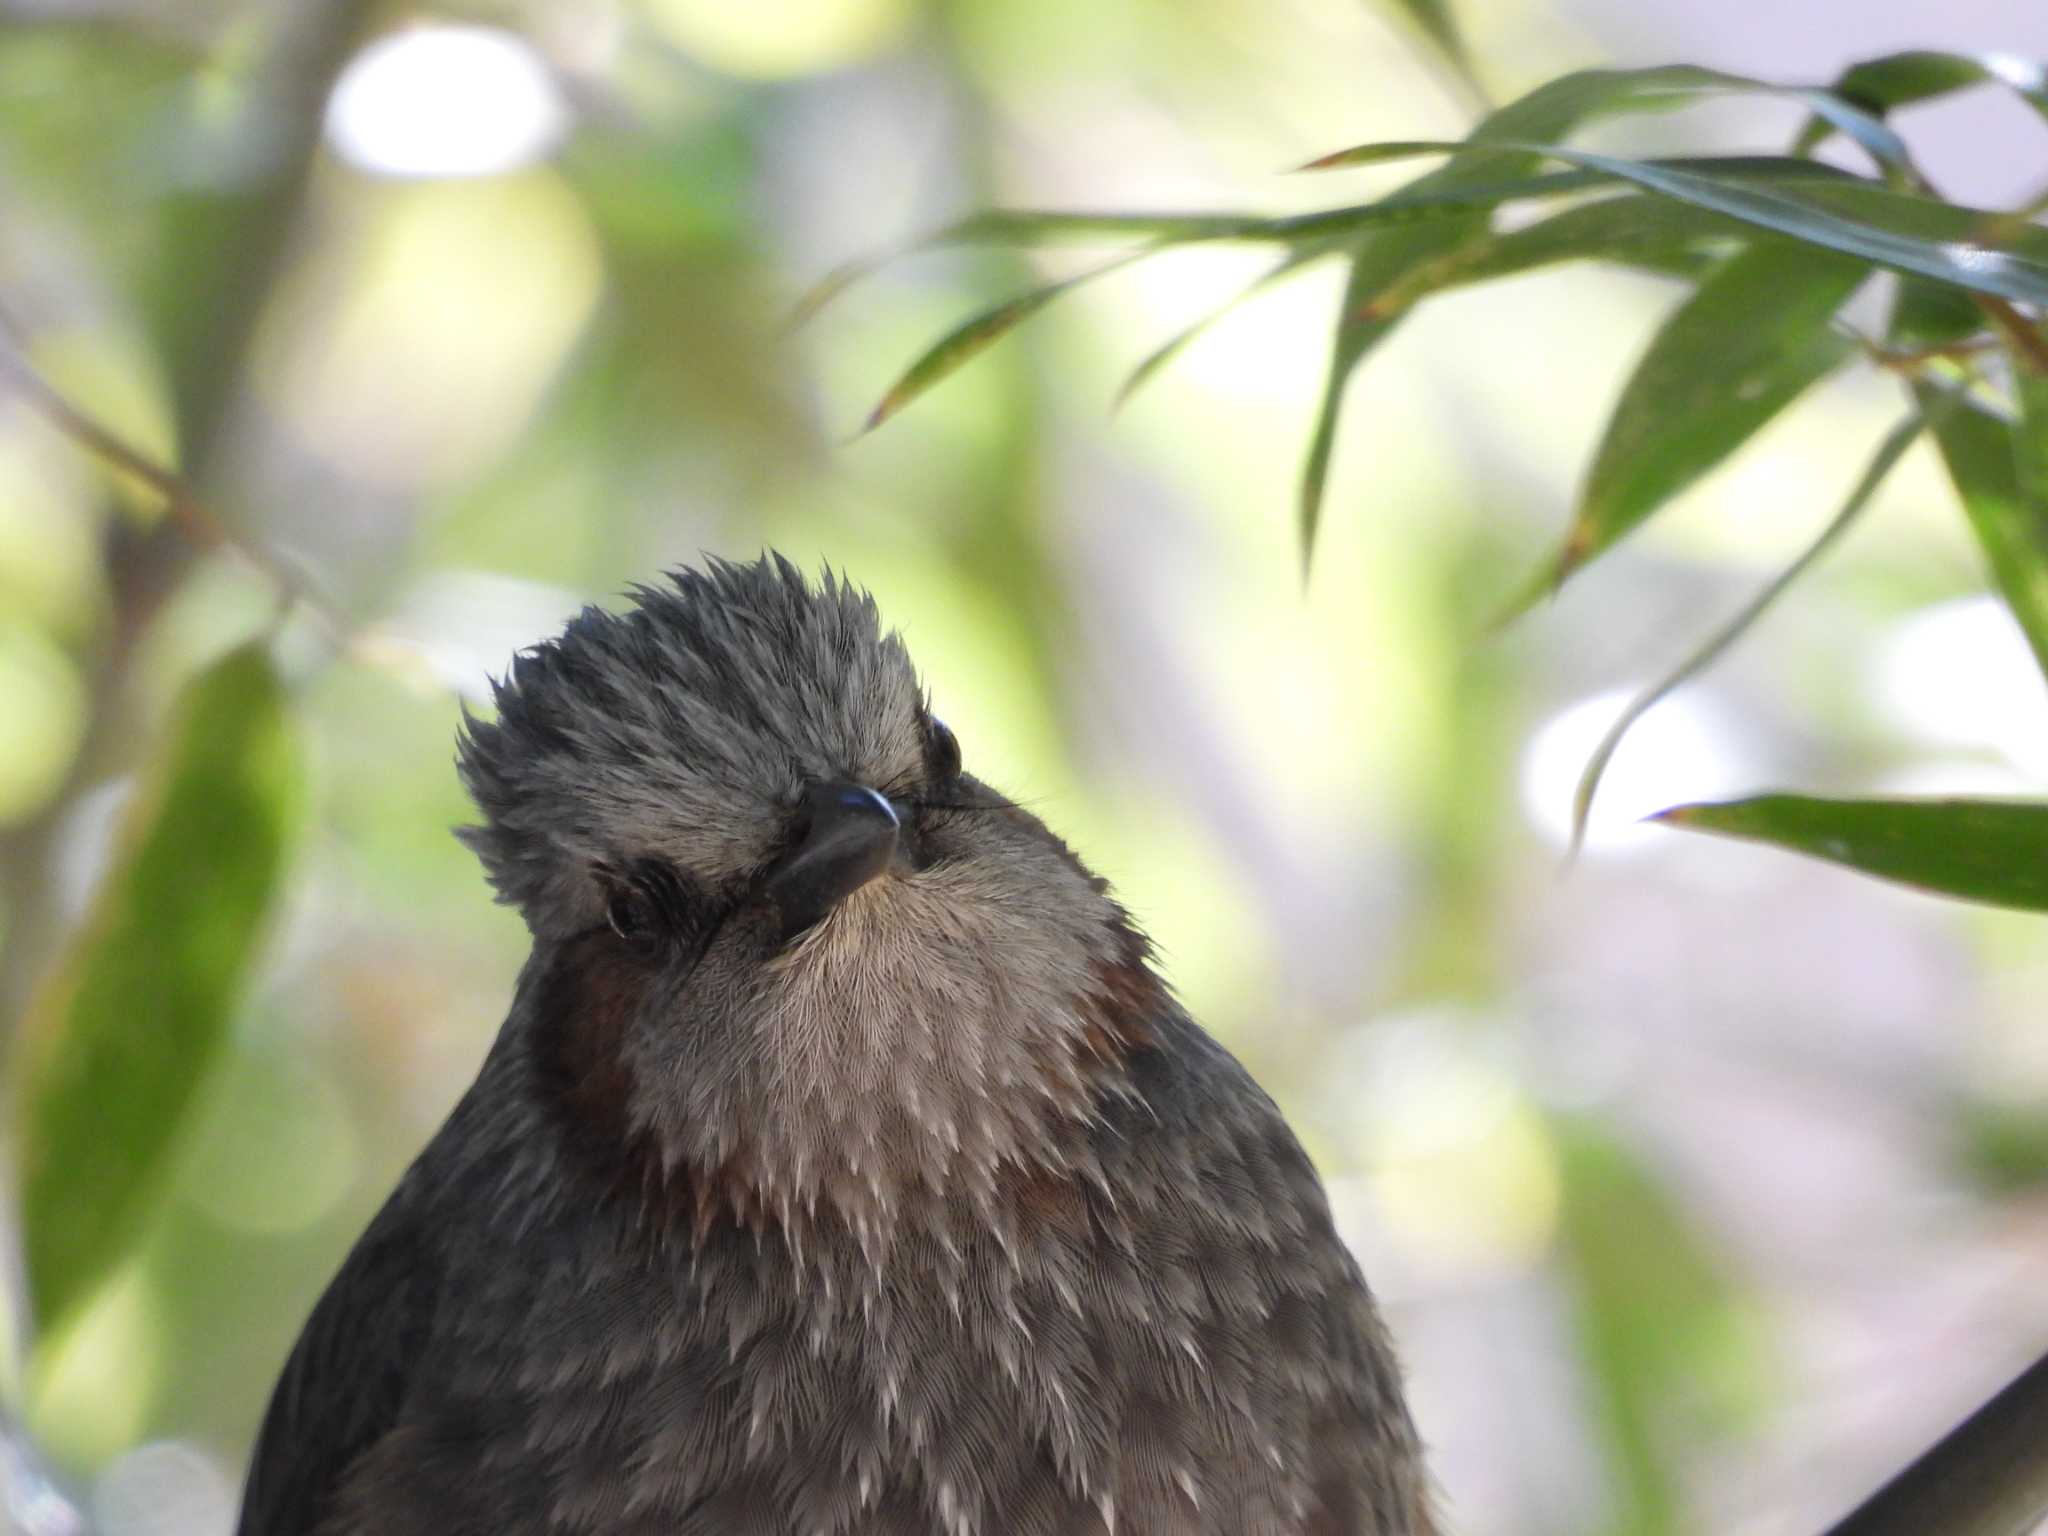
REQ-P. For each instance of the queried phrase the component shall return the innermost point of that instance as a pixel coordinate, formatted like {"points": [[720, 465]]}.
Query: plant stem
{"points": [[1987, 1477]]}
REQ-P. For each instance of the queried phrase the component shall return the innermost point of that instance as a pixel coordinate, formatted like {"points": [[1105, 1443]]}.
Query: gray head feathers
{"points": [[684, 727], [919, 1038]]}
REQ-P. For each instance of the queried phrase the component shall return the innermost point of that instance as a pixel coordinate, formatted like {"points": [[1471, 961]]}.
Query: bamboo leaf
{"points": [[1980, 250], [2030, 453], [1049, 226], [1928, 314], [1378, 154], [1889, 452], [967, 341], [1446, 212], [1434, 21], [1355, 336], [1387, 254], [1983, 454], [1878, 236], [1634, 229], [1606, 93], [120, 1040], [1881, 85], [1752, 337], [1991, 851], [1454, 192], [1971, 233], [1424, 201]]}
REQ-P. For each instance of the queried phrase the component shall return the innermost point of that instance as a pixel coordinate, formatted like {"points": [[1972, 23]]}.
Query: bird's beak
{"points": [[849, 838]]}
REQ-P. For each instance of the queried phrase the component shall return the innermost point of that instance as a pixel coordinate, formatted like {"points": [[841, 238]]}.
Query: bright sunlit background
{"points": [[1701, 1185]]}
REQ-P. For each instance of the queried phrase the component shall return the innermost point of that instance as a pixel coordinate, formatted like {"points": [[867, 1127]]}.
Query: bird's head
{"points": [[788, 952]]}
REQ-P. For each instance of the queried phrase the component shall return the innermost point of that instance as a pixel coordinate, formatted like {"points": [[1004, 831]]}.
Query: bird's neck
{"points": [[859, 1127]]}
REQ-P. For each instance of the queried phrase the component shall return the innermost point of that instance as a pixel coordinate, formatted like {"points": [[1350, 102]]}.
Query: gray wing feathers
{"points": [[345, 1384]]}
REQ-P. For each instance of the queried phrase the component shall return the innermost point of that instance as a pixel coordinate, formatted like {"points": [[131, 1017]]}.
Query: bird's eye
{"points": [[942, 751], [649, 904], [630, 914]]}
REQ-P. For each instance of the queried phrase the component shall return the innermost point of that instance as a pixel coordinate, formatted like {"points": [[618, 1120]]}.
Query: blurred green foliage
{"points": [[417, 418], [137, 1013]]}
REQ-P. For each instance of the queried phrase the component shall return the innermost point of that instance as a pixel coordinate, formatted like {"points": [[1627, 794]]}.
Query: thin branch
{"points": [[102, 441], [1913, 360], [1987, 1477], [2020, 332], [181, 502]]}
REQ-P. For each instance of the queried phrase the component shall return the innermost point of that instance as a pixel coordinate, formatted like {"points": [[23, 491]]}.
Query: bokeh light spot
{"points": [[439, 100], [279, 1150], [1681, 750], [1460, 1166], [1958, 675], [91, 1386], [49, 538]]}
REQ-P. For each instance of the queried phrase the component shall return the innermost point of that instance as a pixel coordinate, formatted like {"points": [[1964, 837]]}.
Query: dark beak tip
{"points": [[854, 801], [850, 838]]}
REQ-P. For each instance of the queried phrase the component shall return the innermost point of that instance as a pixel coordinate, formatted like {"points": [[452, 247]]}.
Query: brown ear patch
{"points": [[584, 1077], [585, 1004]]}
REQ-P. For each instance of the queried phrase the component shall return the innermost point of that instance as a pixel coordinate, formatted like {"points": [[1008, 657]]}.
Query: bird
{"points": [[843, 1165]]}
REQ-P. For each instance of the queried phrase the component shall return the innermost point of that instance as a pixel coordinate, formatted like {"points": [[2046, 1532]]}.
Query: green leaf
{"points": [[1047, 226], [1900, 79], [1434, 21], [1993, 851], [1928, 315], [1977, 249], [1605, 93], [1671, 1344], [1453, 193], [120, 1040], [1889, 452], [1983, 454], [1752, 337], [1434, 214], [2030, 453], [1437, 199], [1635, 229], [1879, 236], [1356, 334], [1378, 153], [1976, 233], [965, 342], [1387, 254]]}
